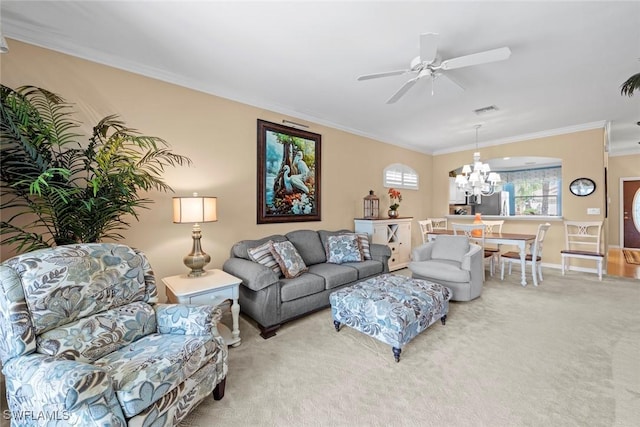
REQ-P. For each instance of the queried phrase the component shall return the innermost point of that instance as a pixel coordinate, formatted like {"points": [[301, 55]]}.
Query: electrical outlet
{"points": [[593, 211]]}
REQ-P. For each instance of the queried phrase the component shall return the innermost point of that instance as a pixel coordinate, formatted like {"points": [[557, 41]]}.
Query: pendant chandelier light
{"points": [[477, 179]]}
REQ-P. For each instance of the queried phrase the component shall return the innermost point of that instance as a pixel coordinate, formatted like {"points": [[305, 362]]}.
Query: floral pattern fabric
{"points": [[289, 259], [343, 248], [84, 341], [93, 337], [391, 308]]}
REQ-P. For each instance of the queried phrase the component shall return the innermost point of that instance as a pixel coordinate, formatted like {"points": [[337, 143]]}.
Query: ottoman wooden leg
{"points": [[443, 319], [396, 353], [336, 324]]}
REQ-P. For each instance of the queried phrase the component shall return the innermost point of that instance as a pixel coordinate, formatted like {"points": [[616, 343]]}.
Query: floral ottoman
{"points": [[393, 309]]}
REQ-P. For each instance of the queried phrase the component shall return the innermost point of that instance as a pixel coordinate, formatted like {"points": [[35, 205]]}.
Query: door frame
{"points": [[621, 202]]}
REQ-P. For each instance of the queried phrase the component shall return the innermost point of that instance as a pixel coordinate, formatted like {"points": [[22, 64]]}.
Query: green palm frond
{"points": [[60, 192], [631, 85]]}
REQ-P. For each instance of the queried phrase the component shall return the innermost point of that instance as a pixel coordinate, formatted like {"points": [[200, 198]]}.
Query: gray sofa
{"points": [[453, 262], [271, 300]]}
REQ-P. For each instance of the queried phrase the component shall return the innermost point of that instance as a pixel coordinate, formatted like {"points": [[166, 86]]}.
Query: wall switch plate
{"points": [[593, 211]]}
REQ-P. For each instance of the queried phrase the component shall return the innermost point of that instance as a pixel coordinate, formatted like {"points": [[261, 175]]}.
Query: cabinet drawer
{"points": [[208, 299]]}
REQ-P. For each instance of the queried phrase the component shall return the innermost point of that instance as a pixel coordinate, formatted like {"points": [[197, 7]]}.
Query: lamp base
{"points": [[196, 262], [196, 259]]}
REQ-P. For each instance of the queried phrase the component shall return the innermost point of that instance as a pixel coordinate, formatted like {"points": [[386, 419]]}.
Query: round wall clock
{"points": [[582, 187]]}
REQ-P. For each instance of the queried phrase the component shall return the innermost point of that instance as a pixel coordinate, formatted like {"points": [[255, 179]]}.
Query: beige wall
{"points": [[220, 137], [619, 167]]}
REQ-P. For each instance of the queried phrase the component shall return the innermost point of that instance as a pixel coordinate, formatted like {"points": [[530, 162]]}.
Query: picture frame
{"points": [[582, 187], [289, 174]]}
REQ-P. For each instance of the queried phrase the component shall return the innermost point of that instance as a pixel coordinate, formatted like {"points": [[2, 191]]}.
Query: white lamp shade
{"points": [[194, 209], [494, 177], [466, 169]]}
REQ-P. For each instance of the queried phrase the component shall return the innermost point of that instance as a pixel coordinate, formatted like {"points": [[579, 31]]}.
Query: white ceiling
{"points": [[302, 59]]}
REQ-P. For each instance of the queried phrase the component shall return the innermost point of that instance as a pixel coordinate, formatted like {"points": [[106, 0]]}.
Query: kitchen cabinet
{"points": [[456, 196]]}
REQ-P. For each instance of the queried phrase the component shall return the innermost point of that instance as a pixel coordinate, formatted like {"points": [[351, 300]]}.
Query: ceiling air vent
{"points": [[485, 110]]}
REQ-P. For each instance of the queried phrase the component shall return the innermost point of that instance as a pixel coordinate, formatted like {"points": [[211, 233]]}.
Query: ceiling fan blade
{"points": [[428, 47], [402, 90], [446, 84], [385, 74], [493, 55]]}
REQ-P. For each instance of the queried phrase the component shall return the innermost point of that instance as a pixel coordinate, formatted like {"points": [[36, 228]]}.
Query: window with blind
{"points": [[398, 175]]}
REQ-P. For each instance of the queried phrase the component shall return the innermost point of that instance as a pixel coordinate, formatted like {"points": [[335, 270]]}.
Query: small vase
{"points": [[393, 213], [477, 220]]}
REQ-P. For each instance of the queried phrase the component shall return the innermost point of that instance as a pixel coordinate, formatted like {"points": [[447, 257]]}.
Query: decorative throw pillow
{"points": [[288, 258], [262, 255], [365, 247], [343, 248]]}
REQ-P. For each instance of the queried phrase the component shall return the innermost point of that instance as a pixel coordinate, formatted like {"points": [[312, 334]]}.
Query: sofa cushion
{"points": [[452, 248], [290, 261], [324, 235], [93, 337], [301, 286], [70, 282], [241, 249], [147, 369], [366, 268], [263, 255], [440, 270], [365, 245], [334, 275], [308, 244], [343, 248]]}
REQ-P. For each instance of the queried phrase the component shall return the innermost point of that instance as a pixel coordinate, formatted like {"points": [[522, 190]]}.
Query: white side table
{"points": [[212, 288]]}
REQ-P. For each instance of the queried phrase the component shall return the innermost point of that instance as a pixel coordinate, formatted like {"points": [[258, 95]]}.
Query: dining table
{"points": [[516, 239]]}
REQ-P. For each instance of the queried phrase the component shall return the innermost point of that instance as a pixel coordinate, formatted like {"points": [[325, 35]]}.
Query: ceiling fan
{"points": [[428, 64]]}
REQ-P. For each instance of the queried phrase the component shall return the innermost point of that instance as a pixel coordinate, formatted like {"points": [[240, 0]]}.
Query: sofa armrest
{"points": [[422, 252], [254, 276], [380, 253], [187, 319], [471, 257], [67, 391]]}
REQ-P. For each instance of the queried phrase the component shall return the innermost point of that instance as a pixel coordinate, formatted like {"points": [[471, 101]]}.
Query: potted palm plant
{"points": [[630, 85], [57, 191]]}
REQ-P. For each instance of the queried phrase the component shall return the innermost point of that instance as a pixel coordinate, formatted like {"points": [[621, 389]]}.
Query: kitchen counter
{"points": [[508, 218]]}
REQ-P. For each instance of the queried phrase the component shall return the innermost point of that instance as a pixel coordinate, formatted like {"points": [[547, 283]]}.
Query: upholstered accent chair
{"points": [[85, 342], [451, 261]]}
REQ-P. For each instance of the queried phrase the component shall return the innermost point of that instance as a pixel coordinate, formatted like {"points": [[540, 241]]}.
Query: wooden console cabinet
{"points": [[393, 232]]}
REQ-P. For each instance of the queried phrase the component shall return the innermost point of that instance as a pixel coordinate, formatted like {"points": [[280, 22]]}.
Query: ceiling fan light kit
{"points": [[427, 64]]}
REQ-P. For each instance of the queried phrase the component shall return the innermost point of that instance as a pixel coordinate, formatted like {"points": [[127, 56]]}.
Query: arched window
{"points": [[398, 175]]}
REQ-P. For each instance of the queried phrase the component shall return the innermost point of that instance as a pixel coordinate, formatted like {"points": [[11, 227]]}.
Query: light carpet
{"points": [[566, 353]]}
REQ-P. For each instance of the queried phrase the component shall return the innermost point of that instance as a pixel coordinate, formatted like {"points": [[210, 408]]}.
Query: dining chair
{"points": [[439, 223], [475, 233], [582, 241], [425, 227], [493, 227], [533, 258]]}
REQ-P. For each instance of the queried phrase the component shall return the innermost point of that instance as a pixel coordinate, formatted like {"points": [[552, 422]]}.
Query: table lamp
{"points": [[195, 209]]}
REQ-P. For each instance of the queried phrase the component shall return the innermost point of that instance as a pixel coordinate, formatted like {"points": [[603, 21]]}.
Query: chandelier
{"points": [[477, 179]]}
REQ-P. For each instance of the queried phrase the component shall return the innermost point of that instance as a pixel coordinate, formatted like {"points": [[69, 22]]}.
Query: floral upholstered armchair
{"points": [[84, 341]]}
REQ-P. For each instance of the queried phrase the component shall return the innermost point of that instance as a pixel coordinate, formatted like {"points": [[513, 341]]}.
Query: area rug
{"points": [[632, 257], [564, 353]]}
